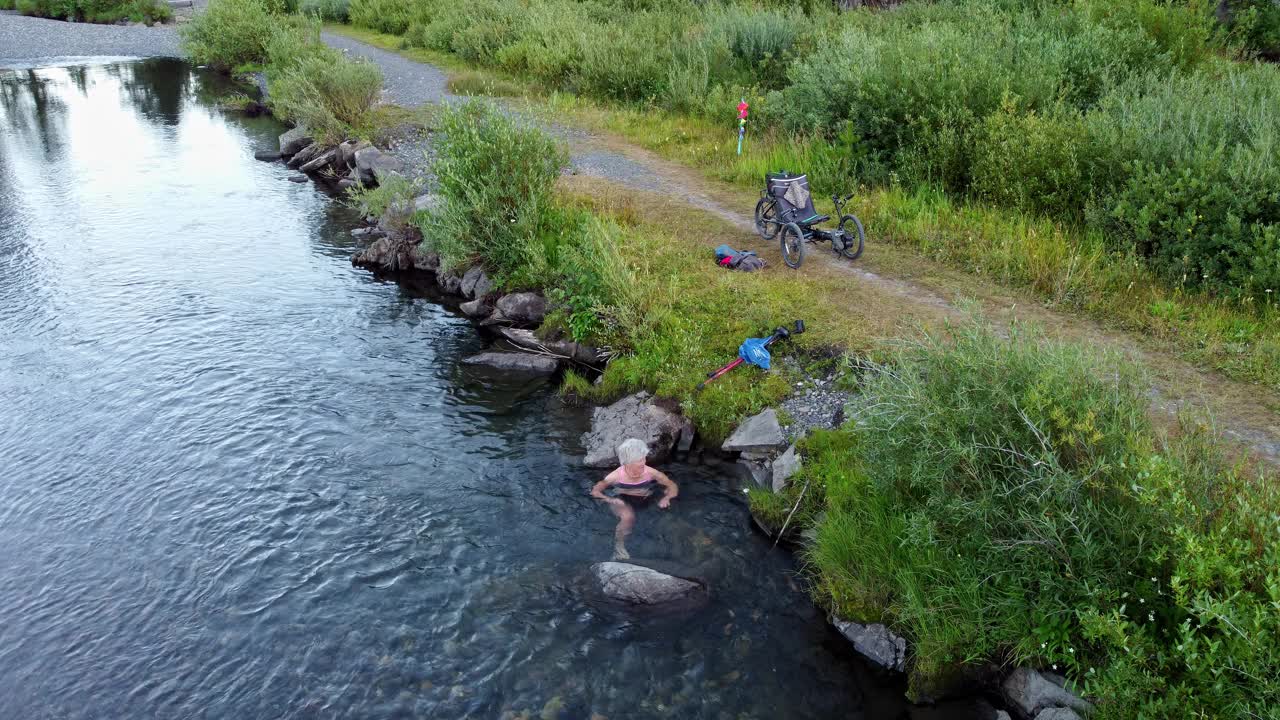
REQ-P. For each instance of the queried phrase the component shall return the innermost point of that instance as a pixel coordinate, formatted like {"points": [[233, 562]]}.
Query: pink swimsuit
{"points": [[645, 482]]}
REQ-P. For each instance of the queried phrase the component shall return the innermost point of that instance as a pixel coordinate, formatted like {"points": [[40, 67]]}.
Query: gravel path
{"points": [[409, 83], [25, 39]]}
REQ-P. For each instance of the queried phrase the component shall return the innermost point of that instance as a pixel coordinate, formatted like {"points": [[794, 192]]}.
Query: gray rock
{"points": [[345, 184], [294, 140], [347, 153], [306, 155], [320, 162], [374, 165], [758, 470], [361, 232], [876, 643], [520, 362], [426, 202], [451, 284], [298, 178], [483, 286], [267, 155], [395, 254], [469, 280], [760, 433], [687, 433], [476, 308], [635, 416], [1057, 714], [1028, 692], [787, 464], [1002, 715], [640, 585], [523, 308]]}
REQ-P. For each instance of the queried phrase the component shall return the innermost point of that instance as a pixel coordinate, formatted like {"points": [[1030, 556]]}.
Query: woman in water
{"points": [[635, 481]]}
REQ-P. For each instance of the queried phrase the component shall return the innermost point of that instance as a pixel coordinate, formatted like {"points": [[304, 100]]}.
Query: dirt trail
{"points": [[907, 284]]}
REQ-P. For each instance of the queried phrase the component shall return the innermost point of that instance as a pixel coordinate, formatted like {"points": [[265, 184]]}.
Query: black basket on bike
{"points": [[795, 202]]}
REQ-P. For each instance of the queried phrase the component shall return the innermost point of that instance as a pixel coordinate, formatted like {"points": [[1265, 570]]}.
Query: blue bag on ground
{"points": [[754, 351], [746, 260]]}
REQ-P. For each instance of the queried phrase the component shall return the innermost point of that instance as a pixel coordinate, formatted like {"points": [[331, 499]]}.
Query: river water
{"points": [[241, 479]]}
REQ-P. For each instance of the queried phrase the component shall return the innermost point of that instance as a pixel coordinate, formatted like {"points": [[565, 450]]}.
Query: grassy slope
{"points": [[1062, 267]]}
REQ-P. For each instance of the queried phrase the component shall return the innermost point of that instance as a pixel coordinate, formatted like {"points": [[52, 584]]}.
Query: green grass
{"points": [[1070, 268]]}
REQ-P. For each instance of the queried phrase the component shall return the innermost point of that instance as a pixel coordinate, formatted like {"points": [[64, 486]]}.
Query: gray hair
{"points": [[632, 450]]}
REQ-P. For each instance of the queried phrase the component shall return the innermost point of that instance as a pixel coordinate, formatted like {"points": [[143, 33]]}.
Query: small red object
{"points": [[742, 110]]}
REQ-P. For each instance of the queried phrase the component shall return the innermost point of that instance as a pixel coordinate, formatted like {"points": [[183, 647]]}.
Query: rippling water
{"points": [[240, 479]]}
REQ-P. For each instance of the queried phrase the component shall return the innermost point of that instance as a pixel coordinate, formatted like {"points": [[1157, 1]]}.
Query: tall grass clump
{"points": [[94, 11], [1008, 500]]}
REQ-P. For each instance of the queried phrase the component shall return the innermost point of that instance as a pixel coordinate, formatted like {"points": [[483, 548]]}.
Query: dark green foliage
{"points": [[97, 11], [325, 10], [229, 34]]}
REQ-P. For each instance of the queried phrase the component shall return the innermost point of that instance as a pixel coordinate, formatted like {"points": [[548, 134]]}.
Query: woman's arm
{"points": [[672, 489], [597, 490]]}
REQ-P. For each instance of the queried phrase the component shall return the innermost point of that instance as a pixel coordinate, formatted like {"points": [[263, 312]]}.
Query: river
{"points": [[241, 479]]}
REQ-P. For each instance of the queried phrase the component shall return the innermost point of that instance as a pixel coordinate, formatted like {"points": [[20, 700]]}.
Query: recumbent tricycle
{"points": [[787, 206]]}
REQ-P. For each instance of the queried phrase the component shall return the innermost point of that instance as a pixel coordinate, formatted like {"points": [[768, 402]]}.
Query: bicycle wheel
{"points": [[853, 236], [792, 245], [767, 218]]}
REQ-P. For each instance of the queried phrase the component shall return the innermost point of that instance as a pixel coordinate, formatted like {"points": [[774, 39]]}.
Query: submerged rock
{"points": [[760, 433], [294, 140], [266, 155], [520, 362], [298, 178], [640, 585], [876, 643], [635, 416]]}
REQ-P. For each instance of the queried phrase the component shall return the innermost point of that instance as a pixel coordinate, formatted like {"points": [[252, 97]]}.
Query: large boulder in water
{"points": [[640, 585], [635, 416], [398, 253]]}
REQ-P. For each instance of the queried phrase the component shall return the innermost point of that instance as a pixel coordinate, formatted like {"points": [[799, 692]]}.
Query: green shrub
{"points": [[388, 16], [326, 92], [325, 10], [1201, 195], [1042, 163], [495, 181], [229, 34], [96, 11], [7, 4], [1009, 500]]}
